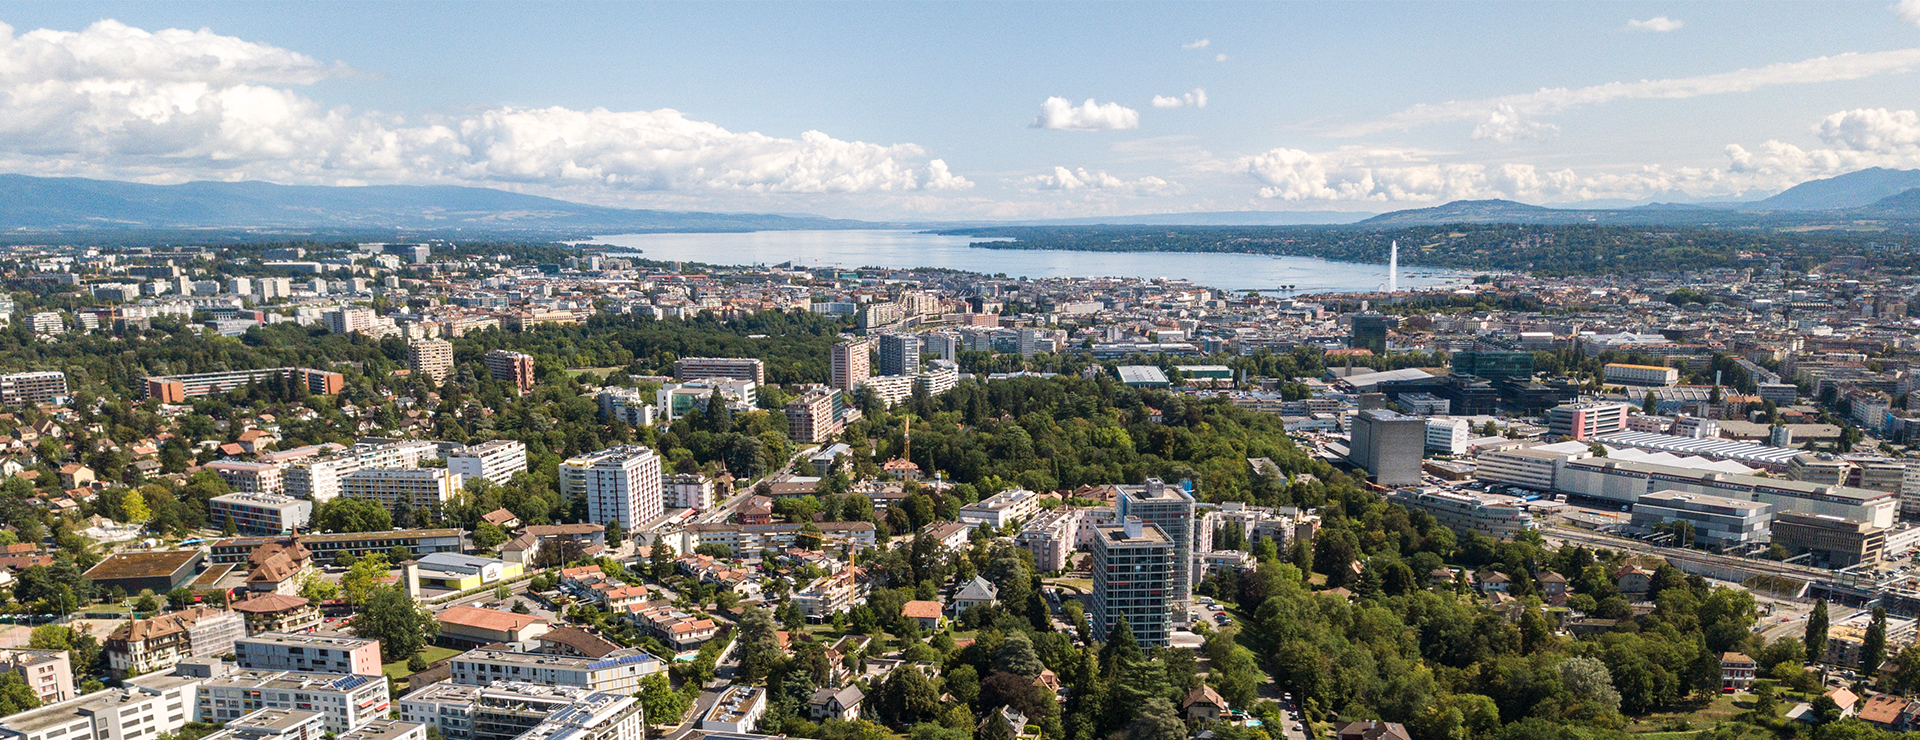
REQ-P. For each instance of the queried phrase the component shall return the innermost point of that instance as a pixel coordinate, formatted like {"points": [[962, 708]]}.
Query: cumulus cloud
{"points": [[1504, 124], [1908, 10], [1656, 24], [1221, 57], [1204, 43], [119, 101], [1080, 179], [1850, 66], [1061, 114], [1855, 139], [1195, 99], [1850, 140]]}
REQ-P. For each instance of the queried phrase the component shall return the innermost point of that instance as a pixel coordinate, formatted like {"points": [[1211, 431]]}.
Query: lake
{"points": [[908, 249]]}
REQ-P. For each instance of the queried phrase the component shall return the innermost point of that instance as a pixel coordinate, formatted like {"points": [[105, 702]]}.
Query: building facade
{"points": [[1133, 574], [620, 484]]}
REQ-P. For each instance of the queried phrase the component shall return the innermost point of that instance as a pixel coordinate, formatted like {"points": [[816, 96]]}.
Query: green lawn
{"points": [[1705, 715], [397, 670]]}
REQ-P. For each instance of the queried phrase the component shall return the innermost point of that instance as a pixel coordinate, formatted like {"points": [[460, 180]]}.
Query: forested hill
{"points": [[1541, 249], [78, 204]]}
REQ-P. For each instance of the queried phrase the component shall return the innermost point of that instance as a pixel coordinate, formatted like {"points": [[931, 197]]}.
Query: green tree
{"points": [[1816, 638], [402, 625], [1017, 656], [179, 598], [366, 577], [759, 648], [487, 536], [1873, 650], [146, 603], [15, 695], [136, 507], [660, 560], [663, 705], [345, 514]]}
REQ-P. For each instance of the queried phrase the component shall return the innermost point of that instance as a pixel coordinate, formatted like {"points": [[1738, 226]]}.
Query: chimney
{"points": [[1133, 527]]}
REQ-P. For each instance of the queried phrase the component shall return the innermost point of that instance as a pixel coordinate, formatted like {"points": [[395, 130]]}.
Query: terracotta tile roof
{"points": [[270, 603], [487, 619], [921, 610]]}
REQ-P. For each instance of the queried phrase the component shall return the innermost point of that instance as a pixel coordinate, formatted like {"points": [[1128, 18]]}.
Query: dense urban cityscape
{"points": [[819, 370], [401, 490]]}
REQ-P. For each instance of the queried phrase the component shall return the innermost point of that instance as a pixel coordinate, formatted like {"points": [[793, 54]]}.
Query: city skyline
{"points": [[972, 111]]}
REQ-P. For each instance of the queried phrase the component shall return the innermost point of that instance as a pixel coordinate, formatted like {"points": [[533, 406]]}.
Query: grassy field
{"points": [[600, 371], [397, 670], [1705, 715]]}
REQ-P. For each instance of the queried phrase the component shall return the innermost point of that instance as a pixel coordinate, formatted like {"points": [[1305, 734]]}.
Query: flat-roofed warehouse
{"points": [[160, 572]]}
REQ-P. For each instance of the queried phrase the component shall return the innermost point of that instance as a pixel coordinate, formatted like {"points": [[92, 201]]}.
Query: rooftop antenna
{"points": [[1393, 267]]}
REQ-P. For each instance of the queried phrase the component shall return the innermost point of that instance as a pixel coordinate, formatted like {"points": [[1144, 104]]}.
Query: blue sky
{"points": [[972, 110]]}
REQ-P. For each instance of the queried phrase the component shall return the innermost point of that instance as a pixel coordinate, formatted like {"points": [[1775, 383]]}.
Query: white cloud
{"points": [[1221, 57], [1850, 66], [1061, 114], [1080, 179], [1504, 124], [1204, 43], [1195, 99], [117, 101], [1853, 140], [1656, 24], [1908, 10]]}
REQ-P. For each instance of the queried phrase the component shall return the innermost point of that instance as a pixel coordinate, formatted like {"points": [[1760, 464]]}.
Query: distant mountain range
{"points": [[1873, 195], [78, 204], [106, 210]]}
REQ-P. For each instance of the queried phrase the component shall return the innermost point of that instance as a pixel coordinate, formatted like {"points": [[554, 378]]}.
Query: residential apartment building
{"points": [[851, 364], [496, 461], [48, 673], [501, 711], [31, 389], [178, 388], [1001, 509], [319, 478], [349, 320], [1171, 509], [430, 358], [1587, 420], [688, 491], [144, 707], [831, 594], [428, 488], [1050, 536], [737, 368], [619, 483], [250, 477], [819, 414], [259, 513], [280, 651], [155, 643], [345, 702], [1641, 375], [899, 354], [629, 405], [620, 674], [513, 367], [1133, 577]]}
